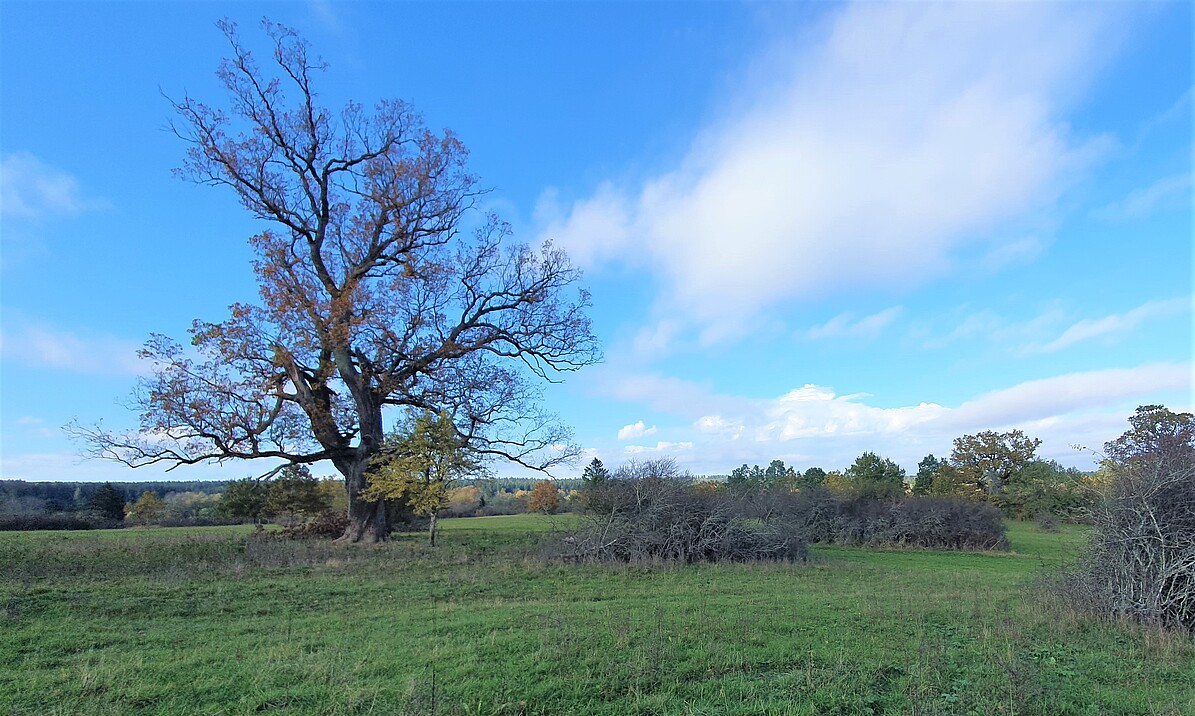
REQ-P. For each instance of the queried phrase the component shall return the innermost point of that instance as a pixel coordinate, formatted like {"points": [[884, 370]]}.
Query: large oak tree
{"points": [[374, 296]]}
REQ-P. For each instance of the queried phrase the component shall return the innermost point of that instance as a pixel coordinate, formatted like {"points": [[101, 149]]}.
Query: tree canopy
{"points": [[373, 294], [874, 477], [990, 459]]}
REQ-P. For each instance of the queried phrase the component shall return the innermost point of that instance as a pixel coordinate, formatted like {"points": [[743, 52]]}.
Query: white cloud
{"points": [[635, 430], [717, 425], [1171, 190], [812, 425], [667, 448], [45, 346], [906, 132], [1013, 252], [31, 189], [845, 325], [1114, 324]]}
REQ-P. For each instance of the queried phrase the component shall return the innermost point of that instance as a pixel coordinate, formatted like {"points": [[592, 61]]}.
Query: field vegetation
{"points": [[223, 620]]}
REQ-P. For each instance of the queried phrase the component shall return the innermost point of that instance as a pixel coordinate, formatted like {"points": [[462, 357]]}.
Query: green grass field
{"points": [[212, 621]]}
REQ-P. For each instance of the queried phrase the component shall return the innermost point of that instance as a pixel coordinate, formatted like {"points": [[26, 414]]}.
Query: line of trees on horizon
{"points": [[1001, 468], [291, 496]]}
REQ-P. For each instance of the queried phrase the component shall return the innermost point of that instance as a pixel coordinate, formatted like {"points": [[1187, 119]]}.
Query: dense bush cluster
{"points": [[328, 524], [1141, 561], [650, 512], [926, 522]]}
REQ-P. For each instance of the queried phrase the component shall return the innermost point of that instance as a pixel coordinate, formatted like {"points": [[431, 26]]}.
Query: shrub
{"points": [[650, 512], [1141, 560], [1046, 521], [924, 522], [505, 503], [330, 524]]}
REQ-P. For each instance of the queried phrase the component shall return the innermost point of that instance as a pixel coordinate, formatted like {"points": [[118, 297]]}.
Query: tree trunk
{"points": [[432, 529], [368, 521]]}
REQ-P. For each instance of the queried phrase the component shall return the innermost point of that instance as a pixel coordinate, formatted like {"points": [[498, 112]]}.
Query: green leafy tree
{"points": [[149, 509], [245, 499], [775, 471], [593, 481], [294, 494], [990, 459], [1044, 487], [812, 477], [747, 478], [191, 505], [108, 503], [926, 469], [419, 465], [875, 478], [595, 473], [950, 481], [1156, 433]]}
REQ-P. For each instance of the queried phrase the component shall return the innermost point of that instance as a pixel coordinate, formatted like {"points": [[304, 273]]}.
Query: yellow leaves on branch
{"points": [[419, 465]]}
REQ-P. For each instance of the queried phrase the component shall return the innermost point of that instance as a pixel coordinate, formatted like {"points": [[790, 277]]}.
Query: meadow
{"points": [[217, 621]]}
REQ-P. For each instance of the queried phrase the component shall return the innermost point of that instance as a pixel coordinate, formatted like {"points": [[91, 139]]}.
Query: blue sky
{"points": [[810, 230]]}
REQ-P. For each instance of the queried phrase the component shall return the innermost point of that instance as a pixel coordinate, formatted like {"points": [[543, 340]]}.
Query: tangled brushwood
{"points": [[651, 512], [1141, 561], [922, 522]]}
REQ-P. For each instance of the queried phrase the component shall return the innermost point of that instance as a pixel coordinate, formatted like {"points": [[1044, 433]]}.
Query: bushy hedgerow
{"points": [[650, 512], [53, 521]]}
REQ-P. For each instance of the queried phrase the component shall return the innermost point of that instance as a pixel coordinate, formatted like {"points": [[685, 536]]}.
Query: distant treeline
{"points": [[493, 486], [21, 497]]}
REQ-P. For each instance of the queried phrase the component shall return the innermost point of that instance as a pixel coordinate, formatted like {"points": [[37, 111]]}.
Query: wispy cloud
{"points": [[323, 12], [35, 426], [845, 325], [1117, 323], [32, 189], [1060, 395], [1168, 191], [990, 327], [635, 430], [44, 346], [903, 133], [1013, 252]]}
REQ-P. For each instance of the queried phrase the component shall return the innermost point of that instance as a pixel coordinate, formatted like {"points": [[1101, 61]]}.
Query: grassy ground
{"points": [[211, 621]]}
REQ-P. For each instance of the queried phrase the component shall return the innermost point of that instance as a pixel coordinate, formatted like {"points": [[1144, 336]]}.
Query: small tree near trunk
{"points": [[419, 466]]}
